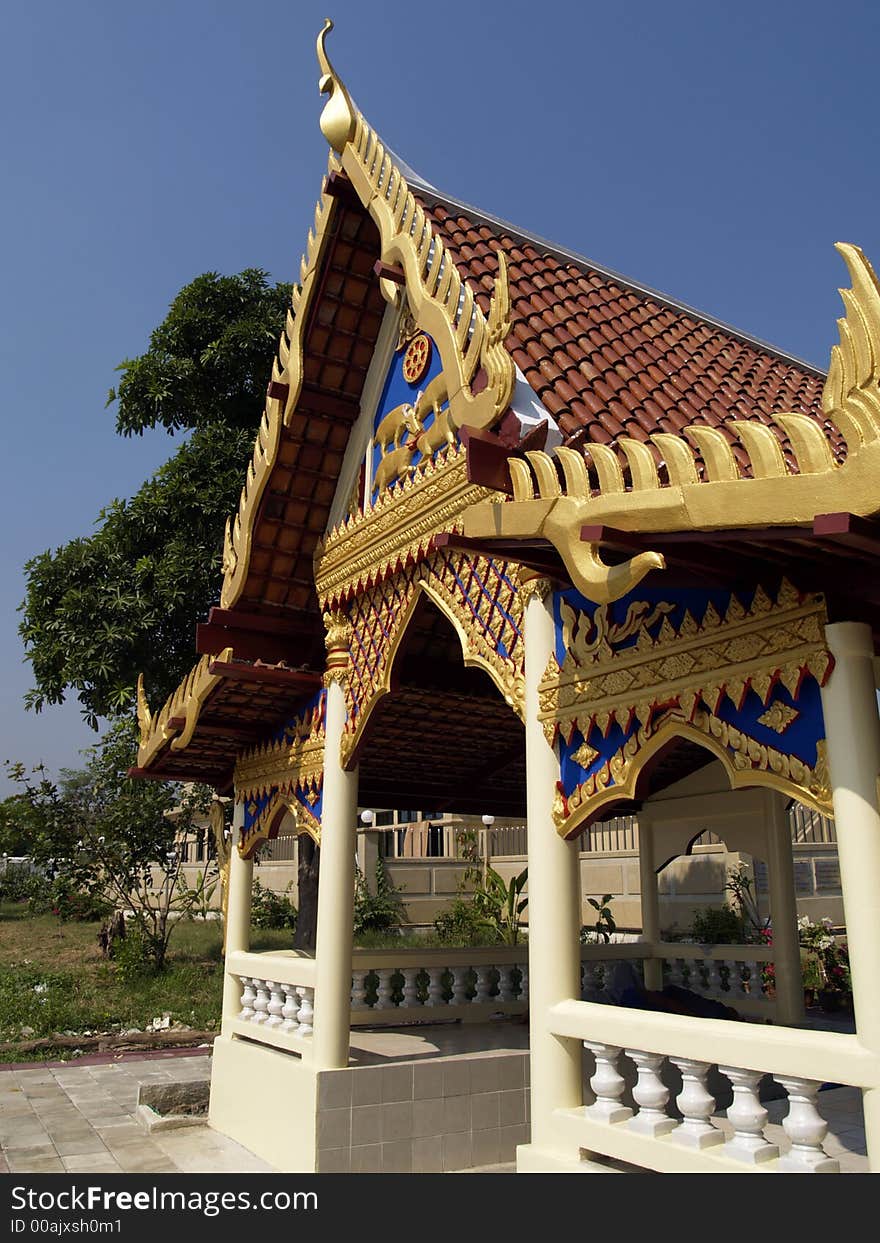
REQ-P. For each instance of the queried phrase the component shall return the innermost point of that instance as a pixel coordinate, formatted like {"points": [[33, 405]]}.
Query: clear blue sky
{"points": [[714, 151]]}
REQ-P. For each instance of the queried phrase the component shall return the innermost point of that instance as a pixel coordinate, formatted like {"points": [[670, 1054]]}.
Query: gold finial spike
{"points": [[145, 717], [339, 117]]}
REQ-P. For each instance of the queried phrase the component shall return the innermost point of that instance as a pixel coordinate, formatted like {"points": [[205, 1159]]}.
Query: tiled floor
{"points": [[81, 1119]]}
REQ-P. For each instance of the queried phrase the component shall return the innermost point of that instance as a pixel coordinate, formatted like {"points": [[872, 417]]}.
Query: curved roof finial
{"points": [[339, 115]]}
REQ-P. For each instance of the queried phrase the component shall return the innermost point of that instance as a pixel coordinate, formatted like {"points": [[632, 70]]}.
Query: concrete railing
{"points": [[686, 1137]]}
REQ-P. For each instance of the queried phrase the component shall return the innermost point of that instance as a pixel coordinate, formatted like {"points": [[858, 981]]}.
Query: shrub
{"points": [[63, 898], [463, 924], [270, 909], [16, 882], [134, 956], [719, 925], [379, 911]]}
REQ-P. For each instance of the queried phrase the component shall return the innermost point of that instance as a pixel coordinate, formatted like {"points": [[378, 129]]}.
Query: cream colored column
{"points": [[852, 730], [334, 940], [238, 913], [783, 912], [554, 902], [650, 899]]}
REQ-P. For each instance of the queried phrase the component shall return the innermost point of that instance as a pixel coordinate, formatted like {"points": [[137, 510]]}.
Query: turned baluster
{"points": [[261, 1003], [676, 972], [806, 1128], [290, 1009], [714, 982], [411, 987], [435, 987], [276, 1004], [505, 984], [651, 1095], [384, 989], [748, 1118], [248, 996], [524, 983], [697, 1105], [460, 985], [484, 985], [359, 993], [306, 1010], [607, 1083], [753, 986]]}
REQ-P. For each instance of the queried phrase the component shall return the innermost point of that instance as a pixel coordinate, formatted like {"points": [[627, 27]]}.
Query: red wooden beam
{"points": [[860, 533], [389, 272]]}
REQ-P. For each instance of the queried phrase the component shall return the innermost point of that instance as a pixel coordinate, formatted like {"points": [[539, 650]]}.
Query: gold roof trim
{"points": [[440, 301], [287, 368], [702, 495], [184, 703]]}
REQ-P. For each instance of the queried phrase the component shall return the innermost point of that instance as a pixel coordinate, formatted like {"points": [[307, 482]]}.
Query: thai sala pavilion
{"points": [[523, 537]]}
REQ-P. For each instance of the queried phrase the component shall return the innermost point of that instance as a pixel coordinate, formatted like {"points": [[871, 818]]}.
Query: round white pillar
{"points": [[650, 900], [783, 913], [238, 912], [852, 731], [334, 941], [554, 902]]}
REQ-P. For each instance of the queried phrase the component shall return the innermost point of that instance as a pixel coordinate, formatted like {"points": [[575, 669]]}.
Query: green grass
{"points": [[54, 980]]}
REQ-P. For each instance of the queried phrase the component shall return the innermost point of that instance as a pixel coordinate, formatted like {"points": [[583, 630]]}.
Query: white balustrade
{"points": [[306, 1010], [806, 1128], [460, 981], [261, 1004], [248, 997], [524, 983], [607, 1084], [359, 992], [651, 1095], [384, 989], [276, 1004], [436, 990], [484, 984], [748, 1117], [290, 1009], [505, 983], [411, 987], [697, 1105]]}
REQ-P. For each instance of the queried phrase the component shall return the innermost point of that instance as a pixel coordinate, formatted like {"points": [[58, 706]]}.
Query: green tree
{"points": [[125, 599], [98, 831]]}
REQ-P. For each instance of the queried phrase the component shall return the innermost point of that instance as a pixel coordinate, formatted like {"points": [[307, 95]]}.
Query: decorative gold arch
{"points": [[285, 772], [786, 774], [632, 684], [266, 828], [480, 598]]}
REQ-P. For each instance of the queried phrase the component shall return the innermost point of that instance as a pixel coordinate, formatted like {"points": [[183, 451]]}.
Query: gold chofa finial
{"points": [[338, 117]]}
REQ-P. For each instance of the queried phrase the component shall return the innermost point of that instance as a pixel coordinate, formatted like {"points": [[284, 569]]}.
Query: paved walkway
{"points": [[81, 1119]]}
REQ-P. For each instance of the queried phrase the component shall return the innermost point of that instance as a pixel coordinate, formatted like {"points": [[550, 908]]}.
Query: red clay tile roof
{"points": [[608, 358]]}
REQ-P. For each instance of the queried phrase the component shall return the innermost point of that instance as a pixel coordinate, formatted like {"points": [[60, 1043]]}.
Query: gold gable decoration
{"points": [[178, 717], [438, 300], [554, 496], [674, 685], [293, 768], [480, 598]]}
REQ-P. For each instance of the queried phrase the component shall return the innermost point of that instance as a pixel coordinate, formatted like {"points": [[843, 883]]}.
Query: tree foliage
{"points": [[104, 834], [125, 599]]}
